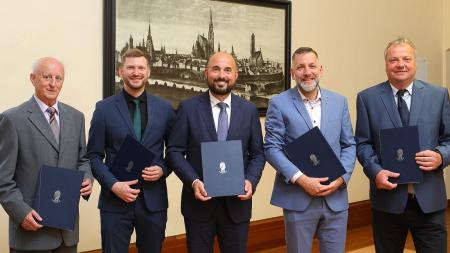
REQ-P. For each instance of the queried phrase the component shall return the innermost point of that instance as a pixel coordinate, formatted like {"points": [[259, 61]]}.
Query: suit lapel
{"points": [[38, 119], [66, 127], [416, 103], [389, 104], [204, 109], [121, 106], [236, 117], [151, 107], [324, 111], [300, 106]]}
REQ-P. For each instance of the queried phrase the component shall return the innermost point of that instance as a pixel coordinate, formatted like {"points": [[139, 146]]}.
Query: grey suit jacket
{"points": [[430, 112], [27, 143]]}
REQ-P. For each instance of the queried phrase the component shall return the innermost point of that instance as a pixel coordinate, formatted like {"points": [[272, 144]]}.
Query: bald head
{"points": [[221, 56], [44, 61], [47, 78], [221, 74]]}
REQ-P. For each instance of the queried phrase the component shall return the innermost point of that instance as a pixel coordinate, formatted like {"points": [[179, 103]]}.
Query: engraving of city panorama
{"points": [[179, 36]]}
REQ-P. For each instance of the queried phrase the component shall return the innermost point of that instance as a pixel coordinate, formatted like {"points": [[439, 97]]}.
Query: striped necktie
{"points": [[53, 122]]}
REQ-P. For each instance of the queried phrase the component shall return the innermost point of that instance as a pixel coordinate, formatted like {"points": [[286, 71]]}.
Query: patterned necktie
{"points": [[402, 108], [137, 119], [53, 123], [222, 124]]}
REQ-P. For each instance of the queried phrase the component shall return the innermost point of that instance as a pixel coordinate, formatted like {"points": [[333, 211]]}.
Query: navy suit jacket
{"points": [[193, 125], [110, 125], [430, 112]]}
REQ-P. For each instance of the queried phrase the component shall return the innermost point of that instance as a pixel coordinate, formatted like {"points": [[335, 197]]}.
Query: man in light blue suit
{"points": [[309, 206], [397, 209]]}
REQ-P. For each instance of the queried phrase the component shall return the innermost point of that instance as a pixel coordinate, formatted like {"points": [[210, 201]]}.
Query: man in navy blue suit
{"points": [[400, 101], [127, 205], [197, 121]]}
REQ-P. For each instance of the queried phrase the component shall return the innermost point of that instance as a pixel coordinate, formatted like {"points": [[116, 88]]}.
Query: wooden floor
{"points": [[359, 240]]}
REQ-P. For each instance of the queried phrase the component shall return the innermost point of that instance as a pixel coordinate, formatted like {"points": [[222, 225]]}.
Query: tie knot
{"points": [[222, 105], [136, 101], [51, 111], [401, 92]]}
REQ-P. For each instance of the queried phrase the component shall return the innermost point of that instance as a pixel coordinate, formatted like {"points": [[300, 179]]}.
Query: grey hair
{"points": [[400, 41], [38, 62]]}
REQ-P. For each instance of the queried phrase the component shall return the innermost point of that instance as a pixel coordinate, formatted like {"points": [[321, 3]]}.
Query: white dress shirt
{"points": [[44, 108], [314, 109], [216, 109]]}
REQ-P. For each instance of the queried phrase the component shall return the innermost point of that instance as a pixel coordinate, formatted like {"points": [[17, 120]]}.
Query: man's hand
{"points": [[332, 187], [30, 222], [428, 160], [311, 185], [248, 191], [199, 191], [86, 187], [152, 173], [382, 179], [125, 192]]}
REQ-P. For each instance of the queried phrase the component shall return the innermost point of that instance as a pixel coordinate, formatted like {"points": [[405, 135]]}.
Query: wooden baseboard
{"points": [[267, 233]]}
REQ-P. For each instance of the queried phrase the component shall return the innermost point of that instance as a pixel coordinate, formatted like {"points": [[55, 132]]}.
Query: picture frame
{"points": [[178, 38]]}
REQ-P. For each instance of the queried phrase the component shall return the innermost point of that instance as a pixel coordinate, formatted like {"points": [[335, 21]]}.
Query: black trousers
{"points": [[428, 230], [232, 236]]}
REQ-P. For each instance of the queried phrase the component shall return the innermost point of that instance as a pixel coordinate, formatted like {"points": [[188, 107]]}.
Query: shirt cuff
{"points": [[296, 176], [192, 185]]}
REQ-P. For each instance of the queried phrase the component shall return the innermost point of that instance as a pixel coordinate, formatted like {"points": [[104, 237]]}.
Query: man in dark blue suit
{"points": [[402, 101], [197, 121], [127, 205]]}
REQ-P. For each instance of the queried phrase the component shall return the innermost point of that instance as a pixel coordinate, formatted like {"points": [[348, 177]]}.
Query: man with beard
{"points": [[310, 206], [400, 101], [198, 120], [131, 204]]}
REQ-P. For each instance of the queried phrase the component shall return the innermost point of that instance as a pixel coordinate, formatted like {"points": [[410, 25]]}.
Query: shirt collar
{"points": [[44, 106], [142, 98], [318, 98], [215, 101], [409, 88]]}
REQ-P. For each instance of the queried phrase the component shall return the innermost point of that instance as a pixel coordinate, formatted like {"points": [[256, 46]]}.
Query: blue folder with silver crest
{"points": [[57, 196], [223, 168], [398, 148], [314, 157], [131, 159]]}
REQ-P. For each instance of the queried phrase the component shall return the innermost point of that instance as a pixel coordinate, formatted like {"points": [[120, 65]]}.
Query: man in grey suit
{"points": [[310, 206], [40, 131], [404, 101]]}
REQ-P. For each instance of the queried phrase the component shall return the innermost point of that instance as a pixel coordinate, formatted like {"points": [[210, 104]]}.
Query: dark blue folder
{"points": [[57, 196], [131, 159], [223, 168], [314, 157], [398, 150]]}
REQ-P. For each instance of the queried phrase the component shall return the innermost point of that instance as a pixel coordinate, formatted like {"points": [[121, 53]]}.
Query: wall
{"points": [[350, 36]]}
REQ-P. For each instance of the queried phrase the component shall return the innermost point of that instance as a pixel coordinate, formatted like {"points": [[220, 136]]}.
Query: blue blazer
{"points": [[193, 125], [110, 125], [286, 120], [430, 111]]}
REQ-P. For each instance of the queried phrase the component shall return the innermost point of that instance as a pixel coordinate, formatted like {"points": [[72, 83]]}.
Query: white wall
{"points": [[350, 36]]}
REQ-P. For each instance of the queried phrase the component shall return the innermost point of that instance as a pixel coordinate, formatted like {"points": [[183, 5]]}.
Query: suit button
{"points": [[56, 156]]}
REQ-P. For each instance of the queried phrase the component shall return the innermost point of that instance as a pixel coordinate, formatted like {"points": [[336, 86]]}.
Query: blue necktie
{"points": [[402, 108], [137, 119], [222, 124]]}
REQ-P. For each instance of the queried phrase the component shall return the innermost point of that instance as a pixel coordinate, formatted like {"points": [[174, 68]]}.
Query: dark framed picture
{"points": [[178, 36]]}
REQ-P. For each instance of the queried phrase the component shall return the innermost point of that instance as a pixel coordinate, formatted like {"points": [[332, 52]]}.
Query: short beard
{"points": [[215, 90], [308, 87]]}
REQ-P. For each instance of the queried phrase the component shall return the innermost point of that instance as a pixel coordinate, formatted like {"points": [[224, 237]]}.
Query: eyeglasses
{"points": [[49, 78]]}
